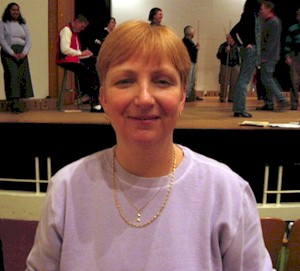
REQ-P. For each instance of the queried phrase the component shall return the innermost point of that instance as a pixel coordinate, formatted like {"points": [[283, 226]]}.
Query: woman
{"points": [[147, 203], [155, 16], [111, 23], [15, 45]]}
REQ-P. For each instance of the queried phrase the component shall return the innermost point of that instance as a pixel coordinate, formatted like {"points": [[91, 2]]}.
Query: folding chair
{"points": [[293, 248], [273, 232]]}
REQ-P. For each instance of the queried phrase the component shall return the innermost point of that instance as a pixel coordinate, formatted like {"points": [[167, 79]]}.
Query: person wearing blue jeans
{"points": [[246, 33], [248, 56], [270, 54], [272, 87]]}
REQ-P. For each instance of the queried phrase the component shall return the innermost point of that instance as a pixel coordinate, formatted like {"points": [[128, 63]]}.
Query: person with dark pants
{"points": [[15, 45], [229, 56], [70, 56], [292, 58], [270, 54], [192, 49], [246, 33]]}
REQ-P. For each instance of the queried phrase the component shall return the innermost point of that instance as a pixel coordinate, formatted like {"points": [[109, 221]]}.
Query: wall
{"points": [[35, 13], [211, 19]]}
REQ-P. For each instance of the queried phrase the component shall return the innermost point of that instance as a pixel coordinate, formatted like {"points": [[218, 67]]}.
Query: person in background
{"points": [[148, 202], [15, 45], [192, 48], [110, 25], [155, 16], [270, 54], [292, 58], [229, 56], [246, 33], [71, 56]]}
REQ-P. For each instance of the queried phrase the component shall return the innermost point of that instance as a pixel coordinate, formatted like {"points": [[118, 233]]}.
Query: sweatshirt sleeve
{"points": [[45, 253], [3, 43], [27, 46], [248, 238]]}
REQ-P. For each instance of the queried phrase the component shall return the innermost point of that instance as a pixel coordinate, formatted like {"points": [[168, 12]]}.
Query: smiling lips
{"points": [[145, 118]]}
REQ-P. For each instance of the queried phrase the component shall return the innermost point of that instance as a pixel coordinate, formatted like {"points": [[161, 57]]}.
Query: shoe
{"points": [[97, 109], [222, 101], [85, 99], [15, 106], [265, 108], [294, 107], [198, 98], [242, 115], [230, 101]]}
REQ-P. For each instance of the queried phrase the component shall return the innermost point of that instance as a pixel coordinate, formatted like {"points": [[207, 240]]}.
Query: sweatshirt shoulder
{"points": [[213, 171]]}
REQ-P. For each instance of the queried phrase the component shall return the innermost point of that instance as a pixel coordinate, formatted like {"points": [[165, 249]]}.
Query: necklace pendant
{"points": [[138, 219]]}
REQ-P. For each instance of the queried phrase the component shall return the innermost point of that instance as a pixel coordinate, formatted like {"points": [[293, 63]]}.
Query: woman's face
{"points": [[111, 25], [15, 12], [143, 100], [157, 18]]}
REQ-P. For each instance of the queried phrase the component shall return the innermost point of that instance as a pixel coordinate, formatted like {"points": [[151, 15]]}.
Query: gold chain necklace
{"points": [[142, 225], [138, 210]]}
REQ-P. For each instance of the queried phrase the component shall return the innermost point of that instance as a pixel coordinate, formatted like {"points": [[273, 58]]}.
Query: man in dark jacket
{"points": [[192, 48]]}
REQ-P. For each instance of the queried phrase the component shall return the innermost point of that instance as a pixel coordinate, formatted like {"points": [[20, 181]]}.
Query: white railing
{"points": [[279, 190], [37, 179], [28, 204], [266, 190]]}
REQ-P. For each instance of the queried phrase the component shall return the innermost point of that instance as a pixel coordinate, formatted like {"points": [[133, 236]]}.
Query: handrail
{"points": [[279, 190]]}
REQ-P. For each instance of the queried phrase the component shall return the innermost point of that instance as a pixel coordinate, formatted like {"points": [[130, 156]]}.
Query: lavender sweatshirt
{"points": [[210, 222]]}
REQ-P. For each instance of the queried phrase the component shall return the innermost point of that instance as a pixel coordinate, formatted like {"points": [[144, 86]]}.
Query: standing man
{"points": [[292, 58], [270, 54], [155, 16], [192, 48], [229, 56], [70, 56]]}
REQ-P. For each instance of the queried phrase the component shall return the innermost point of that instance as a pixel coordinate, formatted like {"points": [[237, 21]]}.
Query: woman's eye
{"points": [[124, 82], [163, 82]]}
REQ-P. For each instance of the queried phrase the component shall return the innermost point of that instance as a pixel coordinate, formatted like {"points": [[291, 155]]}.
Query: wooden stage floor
{"points": [[206, 114]]}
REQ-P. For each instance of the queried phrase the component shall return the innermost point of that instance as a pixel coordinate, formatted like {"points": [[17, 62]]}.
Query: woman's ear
{"points": [[183, 96], [102, 98]]}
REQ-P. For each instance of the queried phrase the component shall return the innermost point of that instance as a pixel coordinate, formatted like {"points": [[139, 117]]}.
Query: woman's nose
{"points": [[144, 94]]}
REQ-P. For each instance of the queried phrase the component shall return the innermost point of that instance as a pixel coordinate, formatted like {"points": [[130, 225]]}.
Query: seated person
{"points": [[81, 62]]}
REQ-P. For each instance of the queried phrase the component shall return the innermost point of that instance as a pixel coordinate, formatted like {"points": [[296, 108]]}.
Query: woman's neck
{"points": [[149, 161]]}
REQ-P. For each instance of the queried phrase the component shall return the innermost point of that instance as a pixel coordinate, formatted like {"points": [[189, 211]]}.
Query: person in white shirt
{"points": [[71, 56]]}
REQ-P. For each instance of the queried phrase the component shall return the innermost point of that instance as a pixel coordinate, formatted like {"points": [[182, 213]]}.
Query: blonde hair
{"points": [[141, 39]]}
